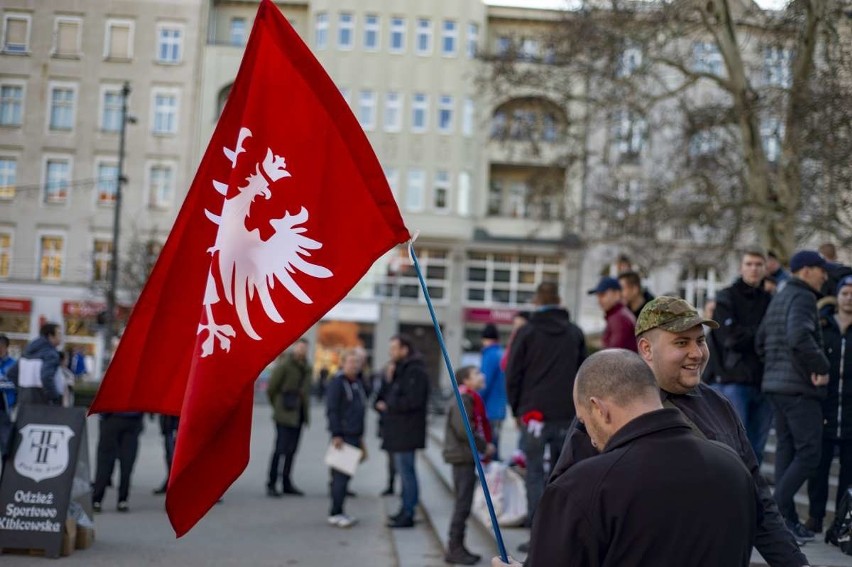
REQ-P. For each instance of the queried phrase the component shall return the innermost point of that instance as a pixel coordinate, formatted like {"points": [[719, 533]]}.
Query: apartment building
{"points": [[62, 69]]}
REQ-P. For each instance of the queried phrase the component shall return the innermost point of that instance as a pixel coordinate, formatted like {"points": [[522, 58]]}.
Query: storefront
{"points": [[15, 323], [475, 319]]}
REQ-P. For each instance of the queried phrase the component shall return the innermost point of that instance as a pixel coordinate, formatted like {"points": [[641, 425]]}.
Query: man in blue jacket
{"points": [[35, 372], [789, 341], [494, 392]]}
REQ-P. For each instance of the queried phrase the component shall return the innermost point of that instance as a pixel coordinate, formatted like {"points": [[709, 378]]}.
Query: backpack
{"points": [[840, 532]]}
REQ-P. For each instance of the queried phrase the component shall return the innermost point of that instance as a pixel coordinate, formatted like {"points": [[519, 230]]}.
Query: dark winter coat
{"points": [[837, 407], [346, 403], [404, 422], [39, 349], [739, 312], [790, 342], [289, 392], [716, 419], [545, 356], [657, 495], [456, 446]]}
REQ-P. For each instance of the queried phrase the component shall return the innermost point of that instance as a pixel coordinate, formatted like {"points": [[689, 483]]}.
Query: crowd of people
{"points": [[633, 455]]}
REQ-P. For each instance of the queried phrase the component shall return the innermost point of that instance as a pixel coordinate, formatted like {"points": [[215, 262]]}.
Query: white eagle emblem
{"points": [[249, 265]]}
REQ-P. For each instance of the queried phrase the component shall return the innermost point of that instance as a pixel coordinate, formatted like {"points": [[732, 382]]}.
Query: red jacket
{"points": [[620, 327]]}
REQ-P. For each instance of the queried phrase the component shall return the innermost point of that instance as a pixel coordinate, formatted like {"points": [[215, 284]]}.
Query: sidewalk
{"points": [[249, 528]]}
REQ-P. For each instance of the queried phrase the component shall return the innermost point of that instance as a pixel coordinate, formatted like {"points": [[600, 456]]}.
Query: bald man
{"points": [[656, 495]]}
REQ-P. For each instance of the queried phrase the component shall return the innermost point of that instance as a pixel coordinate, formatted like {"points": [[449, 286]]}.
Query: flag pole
{"points": [[483, 484]]}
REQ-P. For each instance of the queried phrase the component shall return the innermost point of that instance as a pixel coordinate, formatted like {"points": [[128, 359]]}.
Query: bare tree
{"points": [[143, 248], [705, 123]]}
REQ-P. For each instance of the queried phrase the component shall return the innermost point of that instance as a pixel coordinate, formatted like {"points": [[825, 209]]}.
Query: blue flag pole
{"points": [[483, 484]]}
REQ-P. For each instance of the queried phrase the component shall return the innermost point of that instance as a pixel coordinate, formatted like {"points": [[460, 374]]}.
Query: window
{"points": [[707, 58], [57, 180], [8, 177], [321, 30], [777, 63], [630, 196], [5, 254], [106, 182], [508, 279], [441, 193], [101, 259], [530, 49], [401, 282], [771, 134], [119, 40], [237, 31], [392, 175], [467, 117], [414, 190], [419, 112], [11, 104], [371, 32], [51, 253], [16, 33], [423, 39], [111, 109], [66, 37], [165, 112], [62, 103], [393, 111], [367, 109], [345, 30], [169, 44], [504, 45], [449, 38], [161, 184], [397, 35], [629, 61], [445, 114], [472, 40], [629, 133]]}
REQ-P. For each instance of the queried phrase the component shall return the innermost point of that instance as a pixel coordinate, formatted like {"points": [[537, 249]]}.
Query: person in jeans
{"points": [[546, 354], [494, 390], [837, 408], [346, 404], [404, 421], [737, 371], [458, 454], [796, 374]]}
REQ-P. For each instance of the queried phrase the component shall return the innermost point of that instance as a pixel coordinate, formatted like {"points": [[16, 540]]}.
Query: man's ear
{"points": [[644, 346], [601, 407]]}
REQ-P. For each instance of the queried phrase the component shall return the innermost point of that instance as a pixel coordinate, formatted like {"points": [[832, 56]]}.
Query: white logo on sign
{"points": [[249, 265], [43, 451]]}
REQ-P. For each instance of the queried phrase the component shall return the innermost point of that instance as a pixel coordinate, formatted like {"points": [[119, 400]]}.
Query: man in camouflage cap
{"points": [[671, 339]]}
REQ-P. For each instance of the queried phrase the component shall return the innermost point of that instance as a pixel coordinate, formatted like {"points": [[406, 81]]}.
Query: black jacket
{"points": [[345, 404], [837, 407], [716, 418], [790, 342], [543, 362], [739, 311], [404, 422], [631, 506]]}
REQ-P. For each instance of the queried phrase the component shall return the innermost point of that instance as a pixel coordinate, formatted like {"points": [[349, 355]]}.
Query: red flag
{"points": [[288, 210]]}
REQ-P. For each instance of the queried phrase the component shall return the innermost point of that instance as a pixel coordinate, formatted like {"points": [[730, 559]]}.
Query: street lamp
{"points": [[109, 319]]}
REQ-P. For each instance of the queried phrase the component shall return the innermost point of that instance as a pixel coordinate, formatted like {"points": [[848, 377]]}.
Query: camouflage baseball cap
{"points": [[671, 314]]}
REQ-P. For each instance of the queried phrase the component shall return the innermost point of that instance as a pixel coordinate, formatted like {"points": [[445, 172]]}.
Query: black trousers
{"points": [[464, 483], [818, 483], [118, 439], [286, 443], [340, 481]]}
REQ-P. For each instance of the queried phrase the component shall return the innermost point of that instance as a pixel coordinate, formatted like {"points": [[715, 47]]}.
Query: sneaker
{"points": [[404, 521], [96, 506], [800, 532], [123, 507], [388, 492], [273, 492], [334, 520], [292, 490], [346, 521], [461, 556]]}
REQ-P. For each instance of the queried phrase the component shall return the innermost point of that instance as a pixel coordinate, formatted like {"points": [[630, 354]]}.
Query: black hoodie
{"points": [[543, 362]]}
